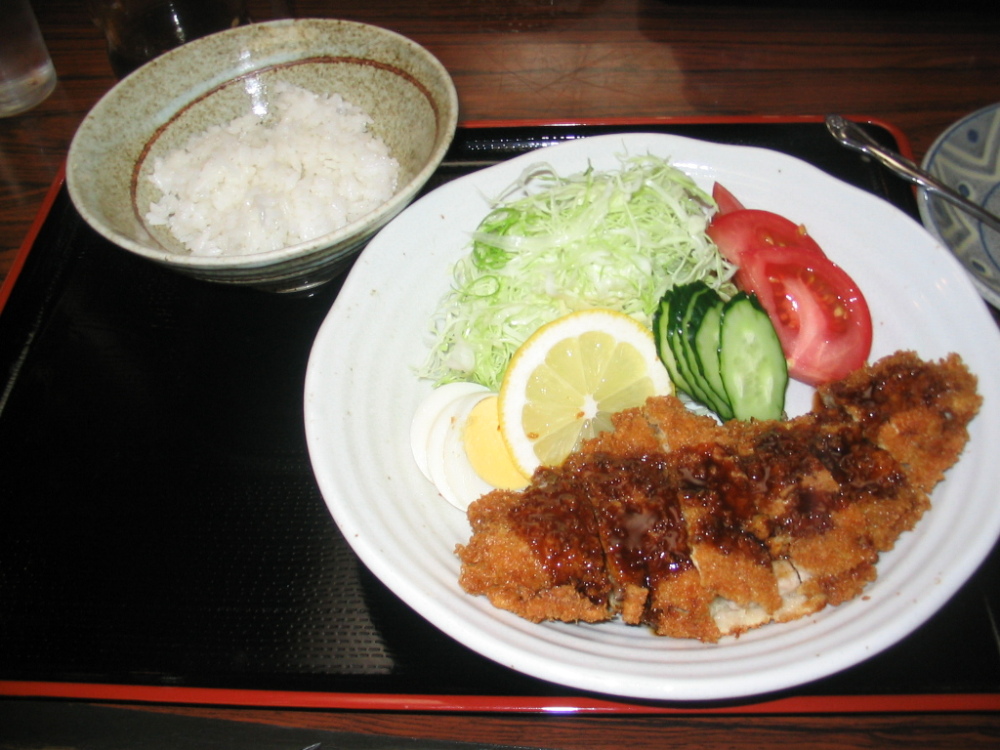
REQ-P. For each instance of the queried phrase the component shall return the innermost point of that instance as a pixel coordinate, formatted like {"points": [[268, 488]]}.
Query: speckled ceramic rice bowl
{"points": [[211, 81]]}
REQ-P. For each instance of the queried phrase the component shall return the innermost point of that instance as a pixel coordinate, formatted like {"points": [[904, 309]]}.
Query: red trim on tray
{"points": [[29, 239], [816, 704]]}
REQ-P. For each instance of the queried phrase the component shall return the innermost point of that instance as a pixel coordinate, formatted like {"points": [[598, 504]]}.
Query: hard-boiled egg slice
{"points": [[455, 439], [437, 401], [447, 463], [486, 449]]}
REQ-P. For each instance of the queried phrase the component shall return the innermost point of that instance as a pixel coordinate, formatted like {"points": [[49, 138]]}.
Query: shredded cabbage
{"points": [[552, 245]]}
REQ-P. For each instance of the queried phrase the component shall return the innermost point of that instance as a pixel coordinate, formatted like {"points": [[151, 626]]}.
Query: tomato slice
{"points": [[725, 201], [820, 315], [750, 229]]}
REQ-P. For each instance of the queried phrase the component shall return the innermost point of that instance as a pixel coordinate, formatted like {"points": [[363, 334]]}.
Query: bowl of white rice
{"points": [[265, 155]]}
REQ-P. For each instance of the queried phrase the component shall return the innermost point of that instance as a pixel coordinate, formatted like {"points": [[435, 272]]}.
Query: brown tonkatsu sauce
{"points": [[700, 530]]}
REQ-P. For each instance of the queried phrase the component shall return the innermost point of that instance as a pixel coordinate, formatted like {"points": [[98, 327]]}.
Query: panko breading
{"points": [[701, 530]]}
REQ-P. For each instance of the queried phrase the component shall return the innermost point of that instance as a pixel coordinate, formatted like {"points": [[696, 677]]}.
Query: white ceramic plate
{"points": [[361, 393], [966, 157]]}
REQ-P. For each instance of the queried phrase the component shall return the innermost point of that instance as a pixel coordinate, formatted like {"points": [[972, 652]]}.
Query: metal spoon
{"points": [[856, 138]]}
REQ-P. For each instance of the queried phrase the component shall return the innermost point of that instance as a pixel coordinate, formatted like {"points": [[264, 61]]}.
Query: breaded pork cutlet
{"points": [[701, 530], [917, 413], [538, 554]]}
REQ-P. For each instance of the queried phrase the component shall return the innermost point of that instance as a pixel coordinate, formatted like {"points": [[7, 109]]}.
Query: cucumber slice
{"points": [[706, 349], [751, 361], [701, 299], [661, 332], [680, 307]]}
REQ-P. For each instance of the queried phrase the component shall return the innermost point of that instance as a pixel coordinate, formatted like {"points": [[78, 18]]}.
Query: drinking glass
{"points": [[138, 30], [26, 72]]}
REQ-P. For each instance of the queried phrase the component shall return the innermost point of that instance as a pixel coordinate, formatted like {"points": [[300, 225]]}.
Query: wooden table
{"points": [[572, 59], [567, 60]]}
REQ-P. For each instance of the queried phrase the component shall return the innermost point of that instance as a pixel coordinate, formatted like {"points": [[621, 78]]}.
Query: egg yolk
{"points": [[486, 449]]}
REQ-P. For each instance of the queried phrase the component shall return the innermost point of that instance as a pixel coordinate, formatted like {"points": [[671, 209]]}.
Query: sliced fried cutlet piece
{"points": [[663, 423], [645, 542], [919, 411], [633, 434], [677, 426], [718, 501], [538, 553], [834, 500], [720, 580], [680, 607]]}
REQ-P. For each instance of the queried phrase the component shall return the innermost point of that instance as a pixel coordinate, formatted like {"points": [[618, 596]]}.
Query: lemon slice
{"points": [[564, 383]]}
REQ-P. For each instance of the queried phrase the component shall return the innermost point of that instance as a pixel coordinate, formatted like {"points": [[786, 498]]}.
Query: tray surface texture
{"points": [[159, 519]]}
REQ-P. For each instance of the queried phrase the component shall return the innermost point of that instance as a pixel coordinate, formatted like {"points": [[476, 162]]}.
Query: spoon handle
{"points": [[852, 136]]}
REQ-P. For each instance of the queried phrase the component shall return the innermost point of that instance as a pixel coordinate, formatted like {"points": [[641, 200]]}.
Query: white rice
{"points": [[254, 185]]}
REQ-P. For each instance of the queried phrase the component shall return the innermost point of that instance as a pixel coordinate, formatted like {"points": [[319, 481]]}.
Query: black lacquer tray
{"points": [[162, 536]]}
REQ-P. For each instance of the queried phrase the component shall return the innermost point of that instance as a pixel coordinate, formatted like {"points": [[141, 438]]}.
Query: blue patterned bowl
{"points": [[967, 158]]}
